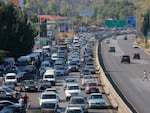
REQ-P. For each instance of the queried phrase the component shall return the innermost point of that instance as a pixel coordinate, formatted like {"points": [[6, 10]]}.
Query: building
{"points": [[50, 23]]}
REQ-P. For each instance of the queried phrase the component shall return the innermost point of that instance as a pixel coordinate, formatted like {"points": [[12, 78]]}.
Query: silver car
{"points": [[79, 101], [95, 100]]}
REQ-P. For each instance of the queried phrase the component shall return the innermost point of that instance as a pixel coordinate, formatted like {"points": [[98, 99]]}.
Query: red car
{"points": [[91, 87]]}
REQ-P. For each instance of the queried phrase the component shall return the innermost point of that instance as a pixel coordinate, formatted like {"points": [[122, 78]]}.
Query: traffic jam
{"points": [[61, 77]]}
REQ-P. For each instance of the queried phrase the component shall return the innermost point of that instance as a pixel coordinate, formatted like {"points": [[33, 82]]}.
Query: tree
{"points": [[146, 24], [16, 33]]}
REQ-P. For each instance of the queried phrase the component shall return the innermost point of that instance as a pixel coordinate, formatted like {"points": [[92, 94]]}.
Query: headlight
{"points": [[26, 86], [68, 94]]}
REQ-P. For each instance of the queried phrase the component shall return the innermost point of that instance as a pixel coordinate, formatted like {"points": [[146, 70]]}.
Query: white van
{"points": [[11, 77], [50, 76]]}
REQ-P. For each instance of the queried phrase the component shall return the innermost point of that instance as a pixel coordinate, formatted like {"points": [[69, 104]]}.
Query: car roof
{"points": [[49, 92], [73, 84]]}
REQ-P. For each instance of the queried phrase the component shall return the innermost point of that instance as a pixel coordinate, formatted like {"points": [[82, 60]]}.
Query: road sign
{"points": [[115, 23], [131, 21], [86, 12], [148, 33], [43, 42]]}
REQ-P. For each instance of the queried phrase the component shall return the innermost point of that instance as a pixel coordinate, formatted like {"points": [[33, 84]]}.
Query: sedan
{"points": [[86, 78], [29, 85], [80, 102], [43, 84], [95, 100], [50, 107], [48, 97]]}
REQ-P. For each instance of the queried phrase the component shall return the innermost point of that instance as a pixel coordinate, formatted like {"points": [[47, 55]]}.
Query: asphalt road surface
{"points": [[129, 77]]}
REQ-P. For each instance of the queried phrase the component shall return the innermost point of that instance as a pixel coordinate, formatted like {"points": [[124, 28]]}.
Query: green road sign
{"points": [[42, 42], [115, 23]]}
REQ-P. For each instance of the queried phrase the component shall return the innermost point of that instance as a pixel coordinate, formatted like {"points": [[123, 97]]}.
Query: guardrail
{"points": [[117, 99]]}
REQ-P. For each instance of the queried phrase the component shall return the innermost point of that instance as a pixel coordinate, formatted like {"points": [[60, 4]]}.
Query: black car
{"points": [[112, 49], [21, 76], [125, 59], [29, 85], [136, 56]]}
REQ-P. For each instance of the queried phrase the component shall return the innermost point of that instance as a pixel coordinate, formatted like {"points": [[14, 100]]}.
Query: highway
{"points": [[34, 102], [128, 77]]}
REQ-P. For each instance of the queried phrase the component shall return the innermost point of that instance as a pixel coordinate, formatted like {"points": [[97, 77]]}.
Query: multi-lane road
{"points": [[34, 102], [128, 77]]}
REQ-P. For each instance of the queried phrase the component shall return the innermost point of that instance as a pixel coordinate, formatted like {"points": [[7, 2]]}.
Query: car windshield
{"points": [[49, 76], [73, 87], [48, 105], [88, 77], [70, 80], [10, 77], [96, 96], [48, 96], [74, 111], [92, 84], [29, 82], [77, 101]]}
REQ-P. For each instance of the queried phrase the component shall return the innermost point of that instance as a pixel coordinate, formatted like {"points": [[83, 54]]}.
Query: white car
{"points": [[48, 97], [74, 109], [69, 81], [87, 78], [11, 77], [135, 45], [95, 100], [72, 89]]}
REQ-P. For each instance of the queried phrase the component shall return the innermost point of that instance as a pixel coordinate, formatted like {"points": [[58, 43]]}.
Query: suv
{"points": [[112, 49], [125, 59]]}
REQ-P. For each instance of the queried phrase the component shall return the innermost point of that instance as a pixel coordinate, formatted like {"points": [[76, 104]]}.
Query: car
{"points": [[86, 78], [29, 85], [107, 41], [125, 59], [136, 56], [84, 72], [48, 97], [73, 66], [31, 69], [91, 87], [11, 77], [7, 106], [50, 76], [60, 71], [112, 49], [50, 107], [125, 37], [79, 101], [43, 84], [69, 81], [74, 109], [96, 100], [72, 89], [9, 84], [21, 76], [135, 45]]}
